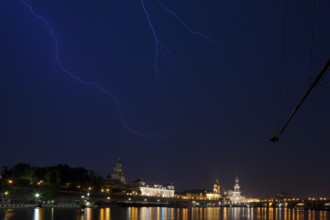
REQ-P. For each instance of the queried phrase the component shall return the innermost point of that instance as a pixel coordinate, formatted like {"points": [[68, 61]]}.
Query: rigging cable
{"points": [[313, 84], [323, 71]]}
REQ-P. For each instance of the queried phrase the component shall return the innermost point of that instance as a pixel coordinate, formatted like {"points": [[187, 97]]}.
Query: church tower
{"points": [[235, 196], [118, 173], [216, 187], [236, 185]]}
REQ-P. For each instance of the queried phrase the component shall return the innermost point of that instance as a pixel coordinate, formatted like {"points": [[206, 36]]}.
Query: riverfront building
{"points": [[235, 196], [216, 191], [154, 190], [118, 174], [202, 194], [116, 180]]}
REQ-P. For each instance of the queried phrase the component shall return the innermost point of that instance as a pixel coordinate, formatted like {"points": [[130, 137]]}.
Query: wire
{"points": [[323, 71]]}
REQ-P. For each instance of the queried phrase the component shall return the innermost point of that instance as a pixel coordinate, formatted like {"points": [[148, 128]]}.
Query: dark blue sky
{"points": [[217, 102]]}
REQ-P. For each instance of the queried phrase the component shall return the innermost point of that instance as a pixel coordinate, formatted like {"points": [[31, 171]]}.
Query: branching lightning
{"points": [[158, 43], [184, 23], [87, 83], [159, 48]]}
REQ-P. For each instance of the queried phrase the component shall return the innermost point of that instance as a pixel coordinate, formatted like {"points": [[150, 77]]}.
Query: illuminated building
{"points": [[155, 190], [118, 174], [116, 180], [235, 196], [202, 194], [216, 187], [216, 191]]}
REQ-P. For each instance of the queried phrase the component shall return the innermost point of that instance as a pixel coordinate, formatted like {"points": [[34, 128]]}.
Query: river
{"points": [[161, 213]]}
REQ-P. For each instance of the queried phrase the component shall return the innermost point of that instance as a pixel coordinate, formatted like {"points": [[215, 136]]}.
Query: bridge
{"points": [[309, 203]]}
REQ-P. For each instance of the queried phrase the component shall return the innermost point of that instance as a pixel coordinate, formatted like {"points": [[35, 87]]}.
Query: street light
{"points": [[37, 195]]}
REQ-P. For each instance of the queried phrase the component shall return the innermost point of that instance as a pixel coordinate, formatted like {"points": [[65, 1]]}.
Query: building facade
{"points": [[155, 190], [215, 194], [118, 174], [116, 181], [235, 196]]}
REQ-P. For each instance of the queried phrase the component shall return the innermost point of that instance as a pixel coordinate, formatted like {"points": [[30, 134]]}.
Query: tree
{"points": [[23, 173]]}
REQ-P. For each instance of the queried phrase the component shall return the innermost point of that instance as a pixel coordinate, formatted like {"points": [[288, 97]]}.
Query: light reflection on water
{"points": [[161, 213]]}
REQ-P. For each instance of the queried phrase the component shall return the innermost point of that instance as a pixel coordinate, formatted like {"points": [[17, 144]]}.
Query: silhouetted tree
{"points": [[61, 175], [23, 173]]}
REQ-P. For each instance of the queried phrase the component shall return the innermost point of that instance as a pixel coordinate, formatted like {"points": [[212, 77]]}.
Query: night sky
{"points": [[181, 91]]}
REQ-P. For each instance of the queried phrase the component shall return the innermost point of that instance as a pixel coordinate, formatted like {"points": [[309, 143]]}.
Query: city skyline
{"points": [[117, 174], [180, 91]]}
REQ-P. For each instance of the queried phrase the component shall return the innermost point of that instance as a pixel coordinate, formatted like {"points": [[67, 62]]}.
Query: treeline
{"points": [[62, 175]]}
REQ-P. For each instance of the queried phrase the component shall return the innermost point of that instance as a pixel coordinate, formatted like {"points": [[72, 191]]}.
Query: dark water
{"points": [[160, 213]]}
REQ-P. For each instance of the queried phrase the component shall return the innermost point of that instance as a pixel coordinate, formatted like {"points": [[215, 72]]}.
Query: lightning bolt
{"points": [[158, 43], [184, 23], [84, 82]]}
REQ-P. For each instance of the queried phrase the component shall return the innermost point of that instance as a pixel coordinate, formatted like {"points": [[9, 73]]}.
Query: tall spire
{"points": [[216, 186], [236, 186], [118, 173]]}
